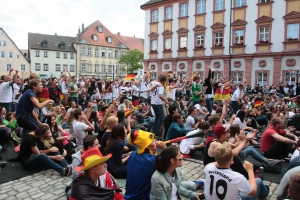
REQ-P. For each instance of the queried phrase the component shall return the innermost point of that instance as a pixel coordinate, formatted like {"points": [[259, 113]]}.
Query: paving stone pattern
{"points": [[49, 185]]}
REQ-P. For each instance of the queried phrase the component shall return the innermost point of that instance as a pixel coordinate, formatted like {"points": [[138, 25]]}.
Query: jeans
{"points": [[235, 106], [209, 104], [159, 117], [37, 160], [189, 185], [250, 151], [107, 101], [7, 106], [294, 163], [262, 191], [27, 123]]}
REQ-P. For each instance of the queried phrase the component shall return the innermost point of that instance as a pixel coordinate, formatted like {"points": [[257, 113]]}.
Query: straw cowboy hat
{"points": [[91, 158]]}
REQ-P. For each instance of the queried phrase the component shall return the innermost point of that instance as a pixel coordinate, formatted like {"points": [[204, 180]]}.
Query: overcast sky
{"points": [[18, 17]]}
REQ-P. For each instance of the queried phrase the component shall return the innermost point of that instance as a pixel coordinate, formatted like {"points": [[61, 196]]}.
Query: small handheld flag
{"points": [[130, 76]]}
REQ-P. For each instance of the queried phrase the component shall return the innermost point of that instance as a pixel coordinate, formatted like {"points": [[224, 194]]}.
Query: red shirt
{"points": [[267, 140]]}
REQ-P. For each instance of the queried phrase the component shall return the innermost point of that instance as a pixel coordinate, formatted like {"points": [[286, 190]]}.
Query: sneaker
{"points": [[67, 171], [2, 164], [199, 183]]}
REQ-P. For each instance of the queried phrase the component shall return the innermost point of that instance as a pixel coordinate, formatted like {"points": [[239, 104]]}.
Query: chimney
{"points": [[82, 26], [119, 33], [79, 30], [55, 33]]}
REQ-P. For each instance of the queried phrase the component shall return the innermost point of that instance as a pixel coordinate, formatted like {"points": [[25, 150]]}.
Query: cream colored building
{"points": [[11, 56]]}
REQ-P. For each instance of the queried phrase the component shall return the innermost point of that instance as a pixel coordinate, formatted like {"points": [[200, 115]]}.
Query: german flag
{"points": [[44, 95], [195, 74], [258, 102], [130, 76], [218, 94], [222, 94], [170, 74]]}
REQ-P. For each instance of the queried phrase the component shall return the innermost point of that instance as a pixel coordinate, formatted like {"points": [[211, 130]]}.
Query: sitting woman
{"points": [[31, 157], [110, 123], [166, 181], [177, 128], [115, 146], [11, 122]]}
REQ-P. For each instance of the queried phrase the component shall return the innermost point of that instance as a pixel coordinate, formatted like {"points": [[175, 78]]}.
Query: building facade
{"points": [[256, 40], [11, 57], [51, 54], [99, 51]]}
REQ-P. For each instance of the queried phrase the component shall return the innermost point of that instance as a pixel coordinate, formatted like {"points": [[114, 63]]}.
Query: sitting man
{"points": [[233, 184], [92, 184], [275, 140]]}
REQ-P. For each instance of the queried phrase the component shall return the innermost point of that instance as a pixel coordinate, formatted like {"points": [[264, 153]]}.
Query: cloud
{"points": [[65, 17]]}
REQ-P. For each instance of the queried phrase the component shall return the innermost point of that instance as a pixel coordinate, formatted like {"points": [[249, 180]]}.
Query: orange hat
{"points": [[141, 139], [91, 158]]}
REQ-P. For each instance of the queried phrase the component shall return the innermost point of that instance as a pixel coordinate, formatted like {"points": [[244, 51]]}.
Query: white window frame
{"points": [[154, 16], [184, 10], [153, 76], [45, 54], [37, 67], [200, 6], [183, 42], [290, 79], [262, 78], [100, 29], [2, 54], [72, 56], [8, 67], [83, 50], [238, 36], [168, 43], [3, 43], [239, 3], [293, 31], [264, 33], [83, 68], [95, 38], [199, 40], [65, 66], [110, 68], [123, 53], [109, 40], [65, 55], [153, 45], [89, 68], [10, 54], [218, 37], [57, 54], [217, 75], [45, 67], [103, 68], [97, 68], [37, 53], [116, 53], [237, 77], [219, 5], [103, 52], [168, 13], [89, 51], [58, 68], [72, 68], [110, 53], [97, 52], [22, 68]]}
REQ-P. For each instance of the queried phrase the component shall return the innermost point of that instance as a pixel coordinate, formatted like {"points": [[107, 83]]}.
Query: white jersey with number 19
{"points": [[224, 184]]}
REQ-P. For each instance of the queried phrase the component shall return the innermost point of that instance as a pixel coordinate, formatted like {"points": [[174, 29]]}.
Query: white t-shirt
{"points": [[64, 87], [238, 121], [16, 91], [79, 129], [237, 94], [189, 143], [135, 91], [6, 92], [172, 92], [144, 87], [156, 92], [174, 189], [128, 92], [224, 183], [115, 90], [190, 122], [203, 108]]}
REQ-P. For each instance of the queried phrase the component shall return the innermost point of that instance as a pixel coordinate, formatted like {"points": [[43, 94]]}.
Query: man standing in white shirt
{"points": [[6, 92], [16, 94], [157, 89], [144, 85], [174, 87], [236, 98], [223, 183]]}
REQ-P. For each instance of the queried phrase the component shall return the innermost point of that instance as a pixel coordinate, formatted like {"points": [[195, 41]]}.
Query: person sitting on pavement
{"points": [[96, 182], [219, 177], [177, 129], [31, 157], [166, 181], [169, 119]]}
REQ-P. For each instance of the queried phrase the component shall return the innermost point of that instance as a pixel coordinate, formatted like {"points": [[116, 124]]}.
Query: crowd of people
{"points": [[102, 130]]}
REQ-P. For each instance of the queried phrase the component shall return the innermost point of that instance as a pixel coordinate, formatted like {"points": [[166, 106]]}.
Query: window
{"points": [[96, 52], [122, 52], [65, 67], [217, 75], [3, 43], [153, 45], [168, 44], [154, 16], [18, 56], [109, 40], [183, 42], [116, 54], [95, 38], [83, 50], [72, 55], [45, 54], [57, 68], [44, 44], [65, 55], [290, 78], [37, 67], [200, 40], [72, 68], [8, 67], [61, 45], [57, 54], [262, 79], [37, 53], [89, 51], [90, 68], [96, 68], [10, 54], [103, 53], [45, 67], [218, 38], [293, 31], [237, 77], [83, 67], [219, 5], [153, 76], [264, 1], [239, 3], [168, 13], [200, 6], [183, 10], [23, 68], [239, 37], [99, 29], [103, 68], [264, 34], [109, 68], [2, 54], [110, 53]]}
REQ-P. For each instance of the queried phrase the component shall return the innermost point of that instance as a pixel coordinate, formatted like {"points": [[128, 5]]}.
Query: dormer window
{"points": [[95, 38], [109, 40], [122, 46], [44, 43], [61, 45], [100, 29]]}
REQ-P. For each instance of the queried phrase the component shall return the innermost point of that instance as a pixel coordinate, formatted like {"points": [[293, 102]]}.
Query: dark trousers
{"points": [[235, 106], [238, 166], [279, 150], [3, 136], [121, 173], [27, 123]]}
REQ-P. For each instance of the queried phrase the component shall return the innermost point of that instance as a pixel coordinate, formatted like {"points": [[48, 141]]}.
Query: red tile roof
{"points": [[131, 42]]}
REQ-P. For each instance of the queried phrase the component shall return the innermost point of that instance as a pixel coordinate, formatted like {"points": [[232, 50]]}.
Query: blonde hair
{"points": [[34, 76], [48, 143], [112, 120], [126, 102], [223, 154]]}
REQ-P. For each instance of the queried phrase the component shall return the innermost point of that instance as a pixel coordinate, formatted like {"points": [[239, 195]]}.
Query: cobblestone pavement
{"points": [[50, 185]]}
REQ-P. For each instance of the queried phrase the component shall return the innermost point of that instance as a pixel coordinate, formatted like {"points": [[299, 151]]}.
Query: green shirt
{"points": [[293, 105], [195, 88], [73, 87]]}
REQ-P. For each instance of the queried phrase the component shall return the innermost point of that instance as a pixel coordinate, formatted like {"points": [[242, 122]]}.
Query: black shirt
{"points": [[104, 140], [25, 149], [207, 159]]}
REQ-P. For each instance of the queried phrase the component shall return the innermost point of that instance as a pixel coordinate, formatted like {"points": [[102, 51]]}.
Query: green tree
{"points": [[133, 60]]}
